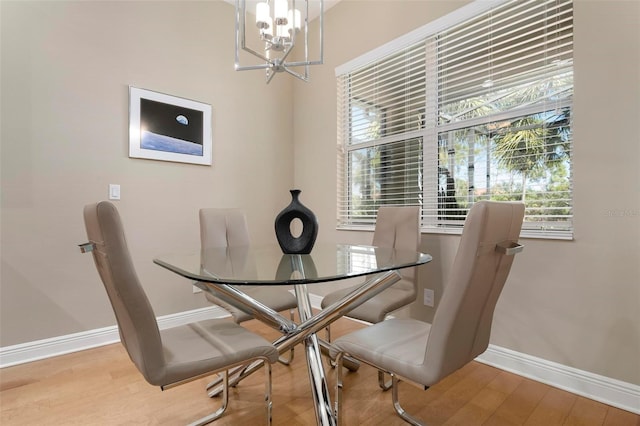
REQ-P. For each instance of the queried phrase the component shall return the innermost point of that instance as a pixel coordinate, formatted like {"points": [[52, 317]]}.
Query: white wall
{"points": [[577, 302], [66, 68]]}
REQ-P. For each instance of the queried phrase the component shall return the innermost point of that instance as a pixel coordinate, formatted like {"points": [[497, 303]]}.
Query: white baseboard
{"points": [[47, 348], [593, 386], [599, 388]]}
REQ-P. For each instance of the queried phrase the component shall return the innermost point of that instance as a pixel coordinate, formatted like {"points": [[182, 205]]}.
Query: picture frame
{"points": [[169, 128]]}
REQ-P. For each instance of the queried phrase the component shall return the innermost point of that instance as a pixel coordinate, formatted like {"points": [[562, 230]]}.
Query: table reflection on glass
{"points": [[223, 272]]}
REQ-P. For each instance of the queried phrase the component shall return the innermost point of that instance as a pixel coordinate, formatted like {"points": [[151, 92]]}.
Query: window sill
{"points": [[525, 233]]}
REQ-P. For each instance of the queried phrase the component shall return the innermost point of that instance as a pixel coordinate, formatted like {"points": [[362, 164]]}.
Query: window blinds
{"points": [[480, 109], [380, 121]]}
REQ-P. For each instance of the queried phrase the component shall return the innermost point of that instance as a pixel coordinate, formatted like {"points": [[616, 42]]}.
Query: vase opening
{"points": [[296, 227]]}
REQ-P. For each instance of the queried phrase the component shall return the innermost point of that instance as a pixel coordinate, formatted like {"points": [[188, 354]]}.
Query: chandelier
{"points": [[280, 26]]}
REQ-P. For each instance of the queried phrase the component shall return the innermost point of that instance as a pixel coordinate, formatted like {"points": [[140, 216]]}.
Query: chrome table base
{"points": [[305, 332]]}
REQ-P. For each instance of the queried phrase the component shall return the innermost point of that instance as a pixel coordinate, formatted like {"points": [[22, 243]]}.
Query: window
{"points": [[383, 144], [475, 106]]}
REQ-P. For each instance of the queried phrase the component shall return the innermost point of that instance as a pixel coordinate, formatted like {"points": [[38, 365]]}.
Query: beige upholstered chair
{"points": [[426, 353], [399, 227], [173, 356], [228, 228]]}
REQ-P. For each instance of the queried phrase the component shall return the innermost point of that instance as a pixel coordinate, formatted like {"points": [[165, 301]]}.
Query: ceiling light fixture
{"points": [[279, 27]]}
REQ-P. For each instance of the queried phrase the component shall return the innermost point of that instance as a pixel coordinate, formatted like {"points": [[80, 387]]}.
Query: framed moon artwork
{"points": [[168, 128]]}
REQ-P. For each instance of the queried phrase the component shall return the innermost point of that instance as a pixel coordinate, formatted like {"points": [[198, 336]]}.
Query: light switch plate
{"points": [[114, 191]]}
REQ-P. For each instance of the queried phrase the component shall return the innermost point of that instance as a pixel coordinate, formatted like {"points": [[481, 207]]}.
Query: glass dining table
{"points": [[224, 272]]}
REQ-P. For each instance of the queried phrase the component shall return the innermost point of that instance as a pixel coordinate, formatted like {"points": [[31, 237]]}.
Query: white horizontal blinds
{"points": [[380, 118], [391, 91], [480, 108], [505, 86], [342, 136], [502, 57]]}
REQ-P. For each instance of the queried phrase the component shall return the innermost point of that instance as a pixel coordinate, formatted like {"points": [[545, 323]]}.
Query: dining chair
{"points": [[397, 227], [176, 355], [227, 227], [424, 353]]}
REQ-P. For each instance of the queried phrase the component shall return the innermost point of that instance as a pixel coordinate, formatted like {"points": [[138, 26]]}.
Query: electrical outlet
{"points": [[428, 297]]}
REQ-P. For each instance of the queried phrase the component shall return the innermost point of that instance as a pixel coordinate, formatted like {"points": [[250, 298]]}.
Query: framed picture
{"points": [[168, 128]]}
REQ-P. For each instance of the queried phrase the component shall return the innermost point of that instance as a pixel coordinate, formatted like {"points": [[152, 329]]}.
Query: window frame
{"points": [[430, 134]]}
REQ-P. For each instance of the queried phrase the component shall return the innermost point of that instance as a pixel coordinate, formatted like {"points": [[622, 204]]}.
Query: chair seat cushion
{"points": [[277, 298], [398, 344], [378, 307], [210, 345]]}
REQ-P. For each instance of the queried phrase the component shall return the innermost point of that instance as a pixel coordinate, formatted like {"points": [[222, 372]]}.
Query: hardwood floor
{"points": [[102, 387]]}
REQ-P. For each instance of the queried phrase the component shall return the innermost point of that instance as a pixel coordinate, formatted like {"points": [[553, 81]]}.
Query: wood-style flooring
{"points": [[102, 387]]}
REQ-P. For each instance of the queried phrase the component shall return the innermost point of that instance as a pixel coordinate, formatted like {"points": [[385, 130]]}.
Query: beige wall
{"points": [[66, 68], [65, 71], [572, 302]]}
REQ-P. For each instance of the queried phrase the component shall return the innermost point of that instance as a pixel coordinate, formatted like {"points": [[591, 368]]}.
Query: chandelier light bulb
{"points": [[268, 29], [294, 18], [280, 12], [282, 31], [262, 15]]}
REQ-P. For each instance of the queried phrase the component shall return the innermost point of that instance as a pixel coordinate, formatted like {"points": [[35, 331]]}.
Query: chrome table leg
{"points": [[319, 388]]}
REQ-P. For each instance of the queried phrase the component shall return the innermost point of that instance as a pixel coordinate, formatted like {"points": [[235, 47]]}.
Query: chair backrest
{"points": [[462, 323], [399, 227], [136, 320], [223, 228], [220, 228]]}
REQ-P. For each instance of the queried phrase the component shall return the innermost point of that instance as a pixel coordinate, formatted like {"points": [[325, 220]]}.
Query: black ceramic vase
{"points": [[303, 243]]}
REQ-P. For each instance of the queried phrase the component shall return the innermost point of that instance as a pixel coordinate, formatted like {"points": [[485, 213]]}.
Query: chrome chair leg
{"points": [[236, 377], [286, 361], [384, 385], [396, 404], [267, 392], [225, 395], [241, 369], [327, 330], [224, 376], [219, 379], [217, 387], [337, 411], [350, 363], [340, 358]]}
